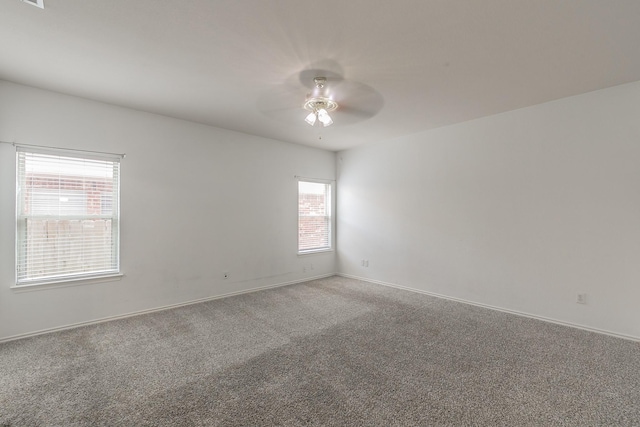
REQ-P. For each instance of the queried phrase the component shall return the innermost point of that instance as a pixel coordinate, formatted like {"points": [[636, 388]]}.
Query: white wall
{"points": [[197, 201], [521, 210]]}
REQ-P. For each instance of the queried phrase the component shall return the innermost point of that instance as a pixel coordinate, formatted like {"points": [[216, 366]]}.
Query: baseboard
{"points": [[491, 307], [308, 279], [166, 307]]}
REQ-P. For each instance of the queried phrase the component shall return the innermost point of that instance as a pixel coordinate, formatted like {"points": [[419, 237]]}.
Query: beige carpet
{"points": [[332, 352]]}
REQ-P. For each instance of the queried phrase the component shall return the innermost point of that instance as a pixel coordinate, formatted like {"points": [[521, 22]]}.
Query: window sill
{"points": [[317, 251], [63, 283]]}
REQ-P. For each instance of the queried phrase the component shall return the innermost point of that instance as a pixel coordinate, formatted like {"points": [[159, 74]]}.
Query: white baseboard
{"points": [[308, 279], [491, 307], [166, 307]]}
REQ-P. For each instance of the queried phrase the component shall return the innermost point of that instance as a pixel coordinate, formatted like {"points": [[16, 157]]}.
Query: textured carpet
{"points": [[334, 352]]}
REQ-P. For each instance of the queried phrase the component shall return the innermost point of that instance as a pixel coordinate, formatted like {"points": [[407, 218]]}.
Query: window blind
{"points": [[67, 216], [314, 216]]}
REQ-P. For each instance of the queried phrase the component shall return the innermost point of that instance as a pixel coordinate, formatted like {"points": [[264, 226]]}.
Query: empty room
{"points": [[337, 213]]}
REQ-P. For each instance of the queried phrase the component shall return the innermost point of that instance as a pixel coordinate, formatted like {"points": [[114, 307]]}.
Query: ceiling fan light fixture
{"points": [[311, 119], [324, 117], [36, 3], [319, 105]]}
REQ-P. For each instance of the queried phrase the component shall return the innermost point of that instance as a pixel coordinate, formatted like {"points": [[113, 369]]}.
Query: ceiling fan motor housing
{"points": [[317, 101], [320, 103]]}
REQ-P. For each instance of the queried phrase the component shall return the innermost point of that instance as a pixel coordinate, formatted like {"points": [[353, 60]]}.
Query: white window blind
{"points": [[67, 216], [314, 216]]}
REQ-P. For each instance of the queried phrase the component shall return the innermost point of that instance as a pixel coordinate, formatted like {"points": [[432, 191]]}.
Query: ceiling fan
{"points": [[319, 104], [322, 98]]}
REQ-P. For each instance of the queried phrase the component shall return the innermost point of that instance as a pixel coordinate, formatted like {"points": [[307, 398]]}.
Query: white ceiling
{"points": [[233, 63]]}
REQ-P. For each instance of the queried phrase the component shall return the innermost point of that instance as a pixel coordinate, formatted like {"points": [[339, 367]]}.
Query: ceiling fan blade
{"points": [[327, 68], [280, 98], [357, 102], [357, 94], [306, 78], [345, 116]]}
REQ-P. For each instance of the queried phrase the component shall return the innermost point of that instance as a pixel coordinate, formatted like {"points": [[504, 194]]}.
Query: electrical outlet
{"points": [[582, 299]]}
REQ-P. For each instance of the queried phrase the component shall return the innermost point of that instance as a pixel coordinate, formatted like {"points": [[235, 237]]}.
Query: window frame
{"points": [[330, 214], [113, 271]]}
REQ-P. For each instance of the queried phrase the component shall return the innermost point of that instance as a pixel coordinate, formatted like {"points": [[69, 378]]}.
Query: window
{"points": [[314, 216], [67, 223]]}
